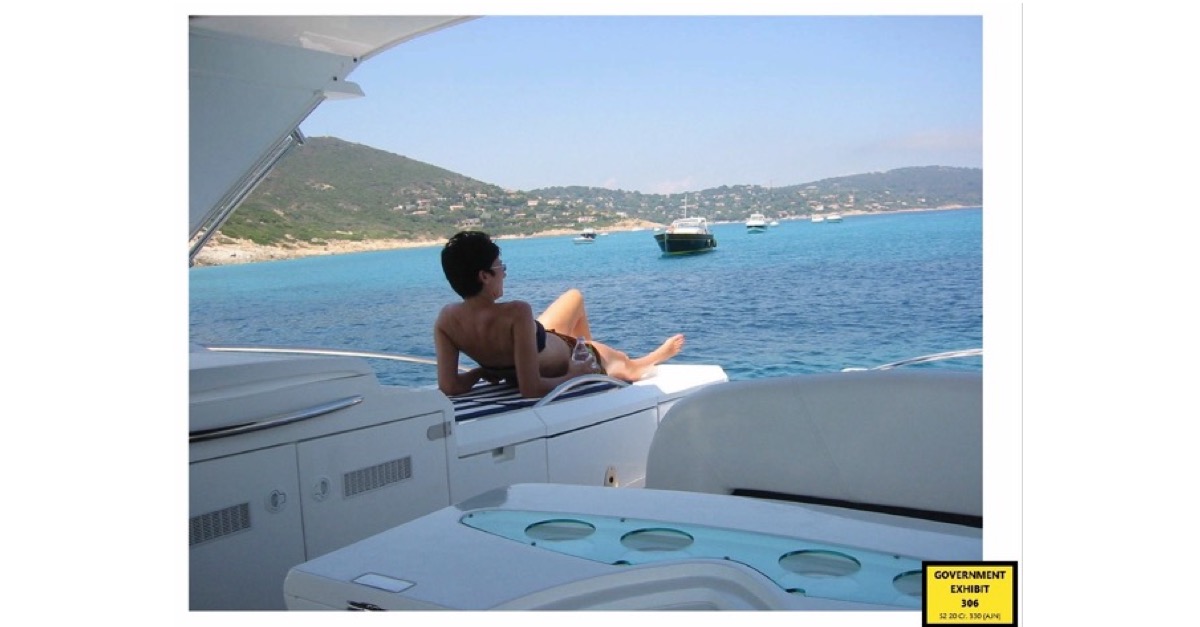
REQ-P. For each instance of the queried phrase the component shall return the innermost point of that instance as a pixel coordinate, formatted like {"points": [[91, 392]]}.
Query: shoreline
{"points": [[234, 251]]}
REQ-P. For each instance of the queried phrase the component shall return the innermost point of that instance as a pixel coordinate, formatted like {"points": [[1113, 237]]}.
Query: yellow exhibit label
{"points": [[970, 593]]}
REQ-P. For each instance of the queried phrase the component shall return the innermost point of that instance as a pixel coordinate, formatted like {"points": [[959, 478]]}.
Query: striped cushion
{"points": [[488, 399]]}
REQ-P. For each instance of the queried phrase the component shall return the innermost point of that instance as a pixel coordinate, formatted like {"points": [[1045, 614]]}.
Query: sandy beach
{"points": [[227, 251]]}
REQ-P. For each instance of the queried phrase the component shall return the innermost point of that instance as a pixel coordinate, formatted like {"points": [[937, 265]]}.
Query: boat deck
{"points": [[498, 398]]}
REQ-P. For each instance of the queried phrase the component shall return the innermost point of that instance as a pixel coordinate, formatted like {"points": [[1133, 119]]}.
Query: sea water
{"points": [[799, 298]]}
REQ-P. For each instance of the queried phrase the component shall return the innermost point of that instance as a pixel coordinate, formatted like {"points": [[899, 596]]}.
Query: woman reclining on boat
{"points": [[507, 341]]}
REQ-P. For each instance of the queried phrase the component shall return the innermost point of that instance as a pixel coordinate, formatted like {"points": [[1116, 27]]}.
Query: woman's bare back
{"points": [[487, 335]]}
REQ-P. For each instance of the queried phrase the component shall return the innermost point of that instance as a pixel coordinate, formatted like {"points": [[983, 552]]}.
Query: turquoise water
{"points": [[800, 298]]}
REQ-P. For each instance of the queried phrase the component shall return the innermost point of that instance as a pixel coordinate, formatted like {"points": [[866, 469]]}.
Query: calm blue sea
{"points": [[800, 298]]}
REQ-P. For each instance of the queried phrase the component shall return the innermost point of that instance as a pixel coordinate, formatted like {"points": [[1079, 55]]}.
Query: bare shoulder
{"points": [[517, 310], [447, 313]]}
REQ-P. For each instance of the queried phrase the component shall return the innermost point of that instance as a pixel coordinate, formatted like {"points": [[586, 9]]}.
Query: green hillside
{"points": [[333, 189]]}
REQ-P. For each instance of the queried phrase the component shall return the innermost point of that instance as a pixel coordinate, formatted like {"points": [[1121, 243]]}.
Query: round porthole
{"points": [[560, 530], [908, 583], [657, 540], [819, 563]]}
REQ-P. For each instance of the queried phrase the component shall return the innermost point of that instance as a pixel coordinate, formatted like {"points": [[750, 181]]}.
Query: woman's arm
{"points": [[529, 375]]}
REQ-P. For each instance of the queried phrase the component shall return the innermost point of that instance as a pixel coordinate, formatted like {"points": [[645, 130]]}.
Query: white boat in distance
{"points": [[817, 218], [756, 223], [314, 486], [587, 236], [833, 217]]}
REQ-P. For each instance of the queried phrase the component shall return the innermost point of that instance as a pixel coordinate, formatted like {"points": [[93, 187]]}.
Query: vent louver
{"points": [[376, 477], [218, 524]]}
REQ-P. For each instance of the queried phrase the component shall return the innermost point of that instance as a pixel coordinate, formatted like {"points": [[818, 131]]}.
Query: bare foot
{"points": [[621, 367], [667, 350]]}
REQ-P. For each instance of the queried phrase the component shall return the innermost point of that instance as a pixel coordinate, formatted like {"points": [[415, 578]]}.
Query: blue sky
{"points": [[668, 104]]}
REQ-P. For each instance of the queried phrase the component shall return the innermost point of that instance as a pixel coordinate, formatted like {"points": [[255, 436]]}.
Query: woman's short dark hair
{"points": [[464, 256]]}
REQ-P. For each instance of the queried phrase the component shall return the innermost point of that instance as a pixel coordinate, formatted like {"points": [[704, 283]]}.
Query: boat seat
{"points": [[488, 399], [896, 441]]}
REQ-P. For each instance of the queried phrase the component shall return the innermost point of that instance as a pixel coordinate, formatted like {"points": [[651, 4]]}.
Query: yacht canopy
{"points": [[254, 79]]}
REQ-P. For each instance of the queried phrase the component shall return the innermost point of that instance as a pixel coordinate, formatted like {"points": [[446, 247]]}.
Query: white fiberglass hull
{"points": [[553, 547], [815, 492], [292, 457]]}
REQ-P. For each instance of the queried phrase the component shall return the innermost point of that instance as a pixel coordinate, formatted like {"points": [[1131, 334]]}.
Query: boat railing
{"points": [[573, 383], [313, 350], [315, 411], [924, 359], [562, 388]]}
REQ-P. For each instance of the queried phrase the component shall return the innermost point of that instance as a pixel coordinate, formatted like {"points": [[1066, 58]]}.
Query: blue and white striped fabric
{"points": [[489, 399]]}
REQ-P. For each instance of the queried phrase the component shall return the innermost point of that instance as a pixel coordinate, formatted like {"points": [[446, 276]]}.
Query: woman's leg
{"points": [[567, 315], [618, 365]]}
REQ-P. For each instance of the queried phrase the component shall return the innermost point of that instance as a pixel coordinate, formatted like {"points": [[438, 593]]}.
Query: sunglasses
{"points": [[501, 267]]}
